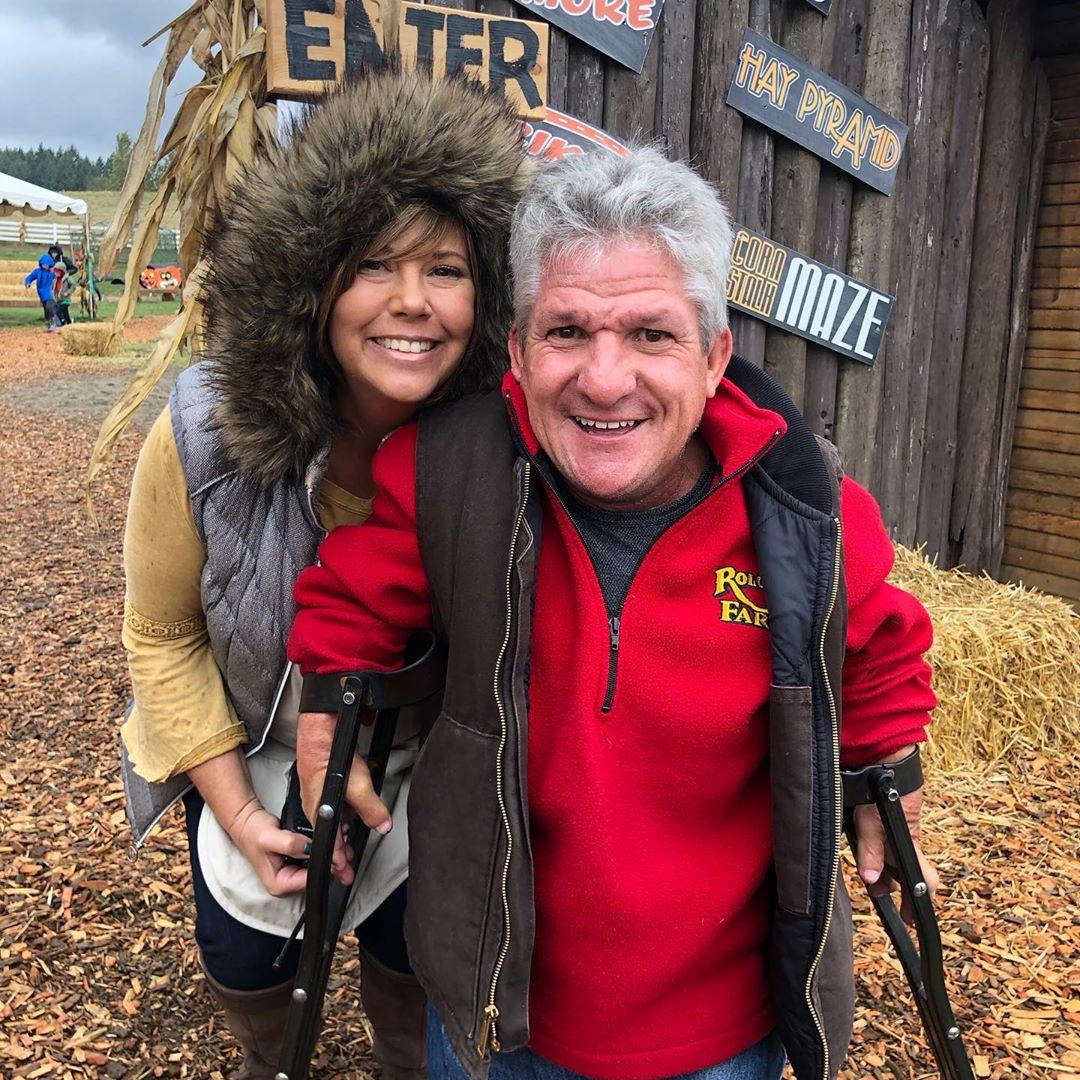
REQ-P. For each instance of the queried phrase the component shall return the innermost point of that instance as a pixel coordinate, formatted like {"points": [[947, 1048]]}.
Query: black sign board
{"points": [[621, 29], [822, 5], [808, 298], [786, 94], [559, 135]]}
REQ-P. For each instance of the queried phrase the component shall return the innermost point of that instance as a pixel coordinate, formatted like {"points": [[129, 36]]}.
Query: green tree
{"points": [[117, 165]]}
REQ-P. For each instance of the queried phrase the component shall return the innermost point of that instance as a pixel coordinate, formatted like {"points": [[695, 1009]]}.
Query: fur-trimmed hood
{"points": [[382, 140]]}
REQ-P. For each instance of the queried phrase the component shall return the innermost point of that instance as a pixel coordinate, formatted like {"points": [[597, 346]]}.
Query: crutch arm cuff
{"points": [[860, 785]]}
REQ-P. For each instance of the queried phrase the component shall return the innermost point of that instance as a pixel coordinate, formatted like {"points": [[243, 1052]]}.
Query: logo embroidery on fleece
{"points": [[735, 605]]}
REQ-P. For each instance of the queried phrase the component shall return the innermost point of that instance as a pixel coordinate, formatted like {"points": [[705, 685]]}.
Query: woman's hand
{"points": [[264, 843], [314, 737]]}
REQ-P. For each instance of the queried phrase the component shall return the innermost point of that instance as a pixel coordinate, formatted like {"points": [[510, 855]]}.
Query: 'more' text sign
{"points": [[621, 29], [808, 298], [781, 91], [312, 43]]}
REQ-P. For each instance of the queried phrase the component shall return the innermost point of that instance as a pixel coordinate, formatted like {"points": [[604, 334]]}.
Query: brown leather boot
{"points": [[257, 1020], [395, 1005]]}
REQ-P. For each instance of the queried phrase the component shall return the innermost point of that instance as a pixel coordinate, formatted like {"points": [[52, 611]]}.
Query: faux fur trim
{"points": [[380, 141]]}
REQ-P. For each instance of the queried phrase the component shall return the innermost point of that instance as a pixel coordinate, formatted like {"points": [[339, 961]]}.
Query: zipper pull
{"points": [[614, 624], [487, 1037]]}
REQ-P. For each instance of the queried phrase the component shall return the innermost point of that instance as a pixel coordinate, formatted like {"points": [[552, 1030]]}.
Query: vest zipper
{"points": [[487, 1037], [838, 800]]}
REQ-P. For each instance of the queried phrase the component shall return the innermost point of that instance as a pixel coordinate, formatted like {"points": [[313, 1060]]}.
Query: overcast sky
{"points": [[72, 73]]}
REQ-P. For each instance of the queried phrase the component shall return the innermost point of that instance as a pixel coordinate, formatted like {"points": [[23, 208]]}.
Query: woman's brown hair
{"points": [[431, 226]]}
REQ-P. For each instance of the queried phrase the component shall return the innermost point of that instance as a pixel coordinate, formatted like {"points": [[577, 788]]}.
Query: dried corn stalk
{"points": [[223, 122]]}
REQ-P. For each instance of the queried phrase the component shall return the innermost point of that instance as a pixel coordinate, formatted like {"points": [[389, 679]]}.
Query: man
{"points": [[624, 825]]}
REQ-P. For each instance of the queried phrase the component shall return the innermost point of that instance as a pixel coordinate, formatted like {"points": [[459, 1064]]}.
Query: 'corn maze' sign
{"points": [[808, 298], [621, 29], [311, 43], [786, 94]]}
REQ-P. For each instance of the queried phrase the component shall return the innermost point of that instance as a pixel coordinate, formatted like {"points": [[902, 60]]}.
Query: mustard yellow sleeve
{"points": [[182, 715]]}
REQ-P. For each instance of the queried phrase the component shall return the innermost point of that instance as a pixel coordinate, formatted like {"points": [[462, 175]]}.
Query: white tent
{"points": [[17, 196]]}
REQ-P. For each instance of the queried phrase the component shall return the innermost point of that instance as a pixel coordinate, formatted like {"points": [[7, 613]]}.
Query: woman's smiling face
{"points": [[403, 325]]}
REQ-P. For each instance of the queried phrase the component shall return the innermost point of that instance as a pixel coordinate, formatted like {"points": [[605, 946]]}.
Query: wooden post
{"points": [[930, 107], [834, 219], [585, 83], [873, 215], [676, 76], [630, 99], [716, 130], [986, 341], [1038, 130], [753, 204], [950, 300], [795, 195]]}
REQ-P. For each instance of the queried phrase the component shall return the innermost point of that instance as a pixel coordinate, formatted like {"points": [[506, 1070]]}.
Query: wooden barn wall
{"points": [[923, 427], [1042, 514]]}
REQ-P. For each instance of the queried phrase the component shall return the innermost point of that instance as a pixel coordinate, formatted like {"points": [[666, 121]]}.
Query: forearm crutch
{"points": [[882, 785], [351, 695]]}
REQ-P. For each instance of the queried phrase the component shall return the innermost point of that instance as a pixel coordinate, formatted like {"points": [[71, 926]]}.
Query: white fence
{"points": [[32, 233]]}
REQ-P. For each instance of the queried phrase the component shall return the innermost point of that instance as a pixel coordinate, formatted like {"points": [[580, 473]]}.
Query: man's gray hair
{"points": [[580, 205]]}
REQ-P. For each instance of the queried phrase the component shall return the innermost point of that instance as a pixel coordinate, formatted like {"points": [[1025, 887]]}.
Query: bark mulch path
{"points": [[98, 970]]}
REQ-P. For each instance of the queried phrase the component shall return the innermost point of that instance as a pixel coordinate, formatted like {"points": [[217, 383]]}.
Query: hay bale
{"points": [[1006, 663], [91, 339]]}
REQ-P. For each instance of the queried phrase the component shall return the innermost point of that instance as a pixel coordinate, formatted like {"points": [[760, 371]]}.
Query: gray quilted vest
{"points": [[257, 542]]}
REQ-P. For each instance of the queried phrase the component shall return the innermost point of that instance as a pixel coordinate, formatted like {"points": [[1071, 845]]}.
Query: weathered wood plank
{"points": [[754, 201], [834, 219], [1051, 380], [716, 130], [1056, 277], [1052, 339], [1044, 562], [1067, 108], [676, 77], [1064, 442], [1056, 525], [1043, 503], [795, 195], [1048, 461], [1057, 256], [1062, 172], [1068, 214], [1058, 236], [1054, 194], [1047, 483], [1057, 66], [858, 407], [1062, 360], [931, 107], [1048, 543], [1049, 583], [1037, 118], [1048, 420], [630, 99], [987, 338], [1046, 399], [1064, 149], [584, 82], [1062, 86], [1055, 299], [1055, 319]]}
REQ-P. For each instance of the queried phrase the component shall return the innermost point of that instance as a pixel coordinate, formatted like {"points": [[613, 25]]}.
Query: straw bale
{"points": [[91, 339], [1006, 663]]}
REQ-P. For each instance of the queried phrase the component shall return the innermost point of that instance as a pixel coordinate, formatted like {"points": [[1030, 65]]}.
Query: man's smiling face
{"points": [[616, 376]]}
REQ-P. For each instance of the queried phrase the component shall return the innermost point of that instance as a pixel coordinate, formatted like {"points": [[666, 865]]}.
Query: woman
{"points": [[377, 240]]}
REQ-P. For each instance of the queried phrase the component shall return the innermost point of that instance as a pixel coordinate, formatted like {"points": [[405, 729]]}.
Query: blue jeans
{"points": [[763, 1061]]}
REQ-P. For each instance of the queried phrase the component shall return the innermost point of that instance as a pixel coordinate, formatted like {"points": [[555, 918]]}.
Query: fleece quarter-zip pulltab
{"points": [[613, 664]]}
